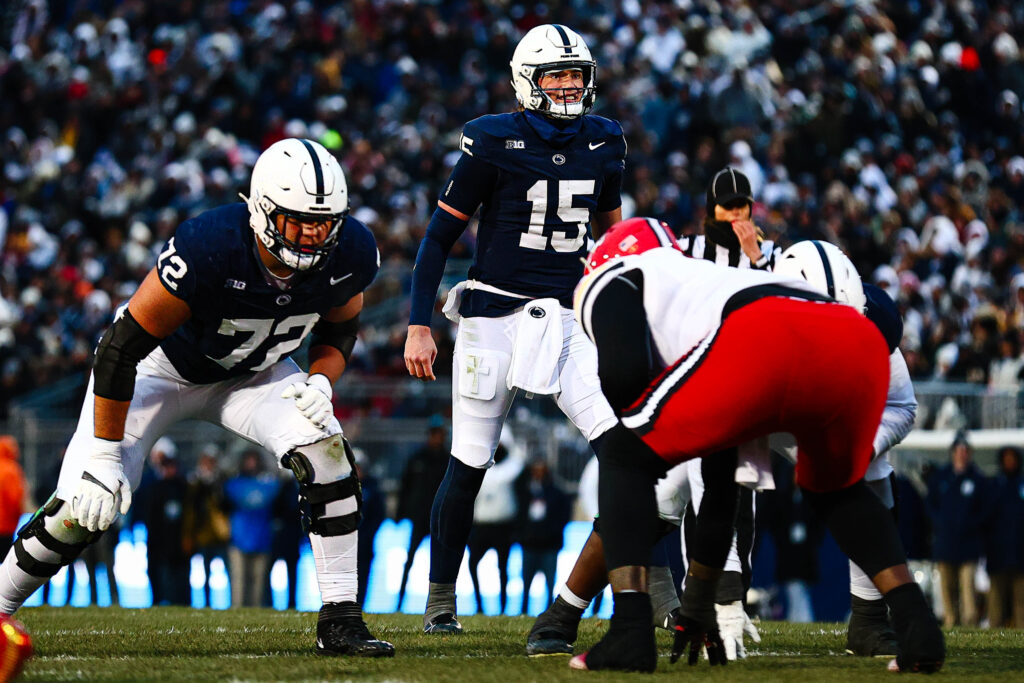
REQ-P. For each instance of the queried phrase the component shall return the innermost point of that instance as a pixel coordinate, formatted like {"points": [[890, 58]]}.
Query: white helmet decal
{"points": [[826, 268], [301, 179], [552, 47]]}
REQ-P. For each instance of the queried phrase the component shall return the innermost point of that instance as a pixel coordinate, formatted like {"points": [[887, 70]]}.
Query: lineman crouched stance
{"points": [[681, 391], [540, 175], [730, 239], [207, 336], [830, 272]]}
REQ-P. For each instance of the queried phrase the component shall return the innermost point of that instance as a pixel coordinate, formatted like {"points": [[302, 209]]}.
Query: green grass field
{"points": [[263, 645]]}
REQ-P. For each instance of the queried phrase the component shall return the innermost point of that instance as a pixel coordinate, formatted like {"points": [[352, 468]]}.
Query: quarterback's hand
{"points": [[733, 623], [103, 488], [420, 352], [312, 398], [689, 633]]}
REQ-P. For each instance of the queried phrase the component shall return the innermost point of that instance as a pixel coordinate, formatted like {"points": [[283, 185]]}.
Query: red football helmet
{"points": [[15, 648], [628, 238]]}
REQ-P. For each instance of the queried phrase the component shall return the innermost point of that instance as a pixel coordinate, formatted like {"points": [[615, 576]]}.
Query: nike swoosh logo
{"points": [[592, 146], [336, 280]]}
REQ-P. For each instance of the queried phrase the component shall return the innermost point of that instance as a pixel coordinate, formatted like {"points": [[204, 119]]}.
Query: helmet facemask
{"points": [[292, 252], [565, 109]]}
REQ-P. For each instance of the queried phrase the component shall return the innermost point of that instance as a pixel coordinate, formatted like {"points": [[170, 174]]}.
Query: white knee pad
{"points": [[327, 480], [51, 540]]}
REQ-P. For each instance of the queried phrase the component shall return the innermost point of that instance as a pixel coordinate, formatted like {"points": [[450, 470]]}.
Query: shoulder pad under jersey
{"points": [[882, 311]]}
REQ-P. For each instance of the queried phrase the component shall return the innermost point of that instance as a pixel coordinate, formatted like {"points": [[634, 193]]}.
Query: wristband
{"points": [[321, 382], [106, 447]]}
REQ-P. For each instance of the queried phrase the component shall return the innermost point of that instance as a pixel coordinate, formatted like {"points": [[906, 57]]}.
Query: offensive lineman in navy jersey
{"points": [[207, 336], [539, 176], [870, 632]]}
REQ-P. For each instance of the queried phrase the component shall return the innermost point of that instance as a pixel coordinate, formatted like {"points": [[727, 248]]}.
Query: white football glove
{"points": [[103, 488], [733, 622], [313, 398]]}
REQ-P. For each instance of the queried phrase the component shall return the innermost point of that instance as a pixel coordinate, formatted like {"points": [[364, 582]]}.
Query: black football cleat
{"points": [[341, 631], [629, 644], [555, 630], [442, 623], [869, 633], [922, 648], [439, 614], [626, 648]]}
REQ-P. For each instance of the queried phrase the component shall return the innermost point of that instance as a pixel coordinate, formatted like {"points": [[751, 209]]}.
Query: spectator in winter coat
{"points": [[168, 564], [12, 491], [494, 517], [423, 473], [206, 526], [1005, 543], [958, 501], [544, 510], [250, 499]]}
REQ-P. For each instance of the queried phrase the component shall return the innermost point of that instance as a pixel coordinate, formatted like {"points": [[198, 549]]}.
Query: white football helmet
{"points": [[546, 48], [301, 180], [826, 268]]}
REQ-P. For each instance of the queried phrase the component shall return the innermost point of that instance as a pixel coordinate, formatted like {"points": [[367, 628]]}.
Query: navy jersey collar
{"points": [[556, 133]]}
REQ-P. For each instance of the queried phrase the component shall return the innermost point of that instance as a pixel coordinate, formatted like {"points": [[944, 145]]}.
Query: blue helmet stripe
{"points": [[566, 44], [829, 281], [317, 170]]}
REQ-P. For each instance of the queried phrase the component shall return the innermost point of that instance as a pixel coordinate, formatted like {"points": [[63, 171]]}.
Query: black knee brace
{"points": [[316, 495]]}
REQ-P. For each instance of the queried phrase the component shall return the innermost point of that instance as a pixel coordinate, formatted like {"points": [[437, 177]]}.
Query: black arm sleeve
{"points": [[122, 346], [341, 336], [625, 362]]}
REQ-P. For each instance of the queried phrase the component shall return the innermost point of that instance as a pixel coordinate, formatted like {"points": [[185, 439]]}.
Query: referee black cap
{"points": [[729, 185]]}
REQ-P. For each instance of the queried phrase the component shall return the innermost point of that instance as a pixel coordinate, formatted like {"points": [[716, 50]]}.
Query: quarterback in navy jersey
{"points": [[540, 177], [207, 336]]}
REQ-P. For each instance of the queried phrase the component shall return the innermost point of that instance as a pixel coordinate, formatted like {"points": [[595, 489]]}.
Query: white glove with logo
{"points": [[103, 488], [733, 622], [313, 398]]}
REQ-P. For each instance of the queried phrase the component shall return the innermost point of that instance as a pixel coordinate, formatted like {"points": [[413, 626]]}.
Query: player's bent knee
{"points": [[621, 447], [52, 539], [328, 484]]}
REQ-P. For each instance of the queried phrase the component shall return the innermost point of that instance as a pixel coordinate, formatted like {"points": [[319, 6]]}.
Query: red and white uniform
{"points": [[823, 377]]}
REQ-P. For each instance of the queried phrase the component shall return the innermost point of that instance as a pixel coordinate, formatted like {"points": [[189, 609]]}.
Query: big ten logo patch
{"points": [[515, 144]]}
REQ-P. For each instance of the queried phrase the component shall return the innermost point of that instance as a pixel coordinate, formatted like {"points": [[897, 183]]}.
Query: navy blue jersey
{"points": [[240, 322], [536, 210], [882, 311]]}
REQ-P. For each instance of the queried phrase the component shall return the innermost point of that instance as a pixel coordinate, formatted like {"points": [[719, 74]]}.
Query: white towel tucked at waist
{"points": [[454, 299], [754, 465], [537, 348]]}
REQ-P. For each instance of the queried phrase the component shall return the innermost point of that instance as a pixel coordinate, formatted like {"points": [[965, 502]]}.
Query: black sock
{"points": [[340, 610], [451, 519], [906, 601], [633, 607]]}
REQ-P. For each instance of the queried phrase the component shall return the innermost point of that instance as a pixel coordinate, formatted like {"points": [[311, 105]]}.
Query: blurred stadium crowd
{"points": [[891, 128]]}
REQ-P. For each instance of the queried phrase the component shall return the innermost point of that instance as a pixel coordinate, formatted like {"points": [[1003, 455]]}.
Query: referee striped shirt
{"points": [[697, 246]]}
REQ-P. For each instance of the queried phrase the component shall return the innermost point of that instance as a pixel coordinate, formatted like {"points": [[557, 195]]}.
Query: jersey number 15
{"points": [[537, 195]]}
